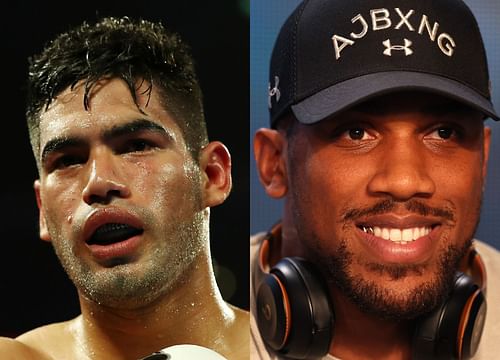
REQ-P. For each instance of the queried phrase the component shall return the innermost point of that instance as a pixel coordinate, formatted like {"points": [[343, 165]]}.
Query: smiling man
{"points": [[127, 177], [378, 146]]}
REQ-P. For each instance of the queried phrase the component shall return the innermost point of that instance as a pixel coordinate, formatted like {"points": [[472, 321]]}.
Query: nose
{"points": [[402, 172], [103, 182]]}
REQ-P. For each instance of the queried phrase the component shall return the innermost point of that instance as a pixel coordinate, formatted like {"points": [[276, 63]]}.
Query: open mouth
{"points": [[111, 233], [399, 236]]}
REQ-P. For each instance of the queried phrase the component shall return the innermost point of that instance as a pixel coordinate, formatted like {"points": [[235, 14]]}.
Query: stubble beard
{"points": [[177, 244], [129, 286], [371, 297]]}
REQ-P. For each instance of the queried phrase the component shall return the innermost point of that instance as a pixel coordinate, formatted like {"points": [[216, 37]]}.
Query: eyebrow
{"points": [[134, 127], [57, 144], [138, 125]]}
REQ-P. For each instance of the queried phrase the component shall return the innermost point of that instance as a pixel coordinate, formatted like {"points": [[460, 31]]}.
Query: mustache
{"points": [[385, 206]]}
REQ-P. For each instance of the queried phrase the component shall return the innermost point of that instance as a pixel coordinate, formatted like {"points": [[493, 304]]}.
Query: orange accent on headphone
{"points": [[473, 266], [464, 319], [263, 264], [286, 305], [274, 233]]}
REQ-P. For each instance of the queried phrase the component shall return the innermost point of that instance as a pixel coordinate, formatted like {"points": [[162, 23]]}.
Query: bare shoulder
{"points": [[49, 341], [240, 334], [13, 349], [242, 317]]}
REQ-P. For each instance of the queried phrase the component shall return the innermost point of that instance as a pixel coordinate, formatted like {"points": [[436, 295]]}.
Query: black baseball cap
{"points": [[333, 54]]}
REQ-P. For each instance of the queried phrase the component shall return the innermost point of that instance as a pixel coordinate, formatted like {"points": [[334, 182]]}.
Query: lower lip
{"points": [[120, 249], [414, 252]]}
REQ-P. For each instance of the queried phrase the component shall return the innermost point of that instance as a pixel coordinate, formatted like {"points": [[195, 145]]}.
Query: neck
{"points": [[192, 312], [358, 335]]}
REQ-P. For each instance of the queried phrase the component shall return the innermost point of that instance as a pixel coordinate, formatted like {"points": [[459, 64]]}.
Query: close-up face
{"points": [[386, 197], [119, 194]]}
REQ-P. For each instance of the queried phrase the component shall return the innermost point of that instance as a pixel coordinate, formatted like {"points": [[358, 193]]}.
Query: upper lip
{"points": [[398, 221], [110, 215]]}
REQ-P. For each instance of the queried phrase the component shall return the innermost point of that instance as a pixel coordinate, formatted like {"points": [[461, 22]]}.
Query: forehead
{"points": [[414, 102], [110, 104]]}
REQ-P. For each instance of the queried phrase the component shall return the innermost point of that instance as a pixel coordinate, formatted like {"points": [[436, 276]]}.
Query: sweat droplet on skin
{"points": [[69, 219]]}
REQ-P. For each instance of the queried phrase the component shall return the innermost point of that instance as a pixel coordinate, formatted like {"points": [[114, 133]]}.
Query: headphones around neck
{"points": [[296, 318]]}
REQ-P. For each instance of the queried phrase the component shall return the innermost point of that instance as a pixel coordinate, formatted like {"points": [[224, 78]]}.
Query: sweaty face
{"points": [[119, 194], [386, 198]]}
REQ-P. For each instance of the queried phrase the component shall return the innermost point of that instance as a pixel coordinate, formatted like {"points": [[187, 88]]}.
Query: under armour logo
{"points": [[275, 91], [405, 47]]}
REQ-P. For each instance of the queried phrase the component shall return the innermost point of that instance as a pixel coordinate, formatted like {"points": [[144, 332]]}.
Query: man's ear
{"points": [[268, 150], [215, 164], [44, 232]]}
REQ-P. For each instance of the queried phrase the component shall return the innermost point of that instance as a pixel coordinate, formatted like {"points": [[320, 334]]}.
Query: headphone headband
{"points": [[472, 264], [273, 235]]}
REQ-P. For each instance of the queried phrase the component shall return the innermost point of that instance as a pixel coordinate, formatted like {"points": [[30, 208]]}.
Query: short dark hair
{"points": [[134, 51]]}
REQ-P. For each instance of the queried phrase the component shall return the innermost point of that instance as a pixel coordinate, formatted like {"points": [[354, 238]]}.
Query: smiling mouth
{"points": [[112, 233], [396, 235]]}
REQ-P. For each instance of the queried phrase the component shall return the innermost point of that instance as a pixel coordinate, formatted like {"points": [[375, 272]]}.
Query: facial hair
{"points": [[125, 285], [371, 297], [173, 247]]}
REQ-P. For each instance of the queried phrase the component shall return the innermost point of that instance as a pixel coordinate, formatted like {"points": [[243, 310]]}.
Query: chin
{"points": [[401, 299], [391, 291]]}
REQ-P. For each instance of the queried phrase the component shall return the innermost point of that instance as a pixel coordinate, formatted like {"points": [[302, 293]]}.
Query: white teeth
{"points": [[399, 236], [407, 235], [395, 234]]}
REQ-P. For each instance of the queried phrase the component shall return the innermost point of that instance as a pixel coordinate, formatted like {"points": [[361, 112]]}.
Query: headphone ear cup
{"points": [[453, 330], [294, 312], [273, 312]]}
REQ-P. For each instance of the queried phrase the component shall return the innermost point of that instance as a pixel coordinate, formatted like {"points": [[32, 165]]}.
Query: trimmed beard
{"points": [[372, 298]]}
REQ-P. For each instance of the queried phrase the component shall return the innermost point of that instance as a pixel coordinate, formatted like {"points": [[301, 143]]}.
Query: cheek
{"points": [[164, 186], [337, 178], [461, 183], [461, 176], [325, 185], [60, 202], [142, 178]]}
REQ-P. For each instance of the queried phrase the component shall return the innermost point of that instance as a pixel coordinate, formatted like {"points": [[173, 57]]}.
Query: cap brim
{"points": [[346, 94]]}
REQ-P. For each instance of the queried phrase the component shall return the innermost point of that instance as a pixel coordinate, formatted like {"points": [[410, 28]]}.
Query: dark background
{"points": [[34, 290]]}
